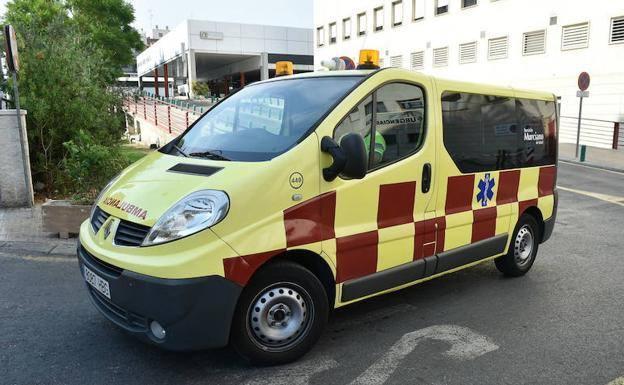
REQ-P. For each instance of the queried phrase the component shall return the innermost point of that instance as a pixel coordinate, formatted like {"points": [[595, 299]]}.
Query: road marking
{"points": [[593, 168], [465, 345], [294, 374], [38, 259], [603, 197], [617, 381]]}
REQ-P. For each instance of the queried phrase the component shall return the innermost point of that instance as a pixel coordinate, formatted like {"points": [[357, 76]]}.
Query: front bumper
{"points": [[196, 313]]}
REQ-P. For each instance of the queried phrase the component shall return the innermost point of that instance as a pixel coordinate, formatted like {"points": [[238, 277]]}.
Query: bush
{"points": [[89, 166], [201, 89]]}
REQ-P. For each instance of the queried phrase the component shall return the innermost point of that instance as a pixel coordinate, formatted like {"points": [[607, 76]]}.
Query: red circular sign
{"points": [[583, 81]]}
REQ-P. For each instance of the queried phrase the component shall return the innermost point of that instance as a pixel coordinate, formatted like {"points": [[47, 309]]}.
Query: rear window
{"points": [[486, 132]]}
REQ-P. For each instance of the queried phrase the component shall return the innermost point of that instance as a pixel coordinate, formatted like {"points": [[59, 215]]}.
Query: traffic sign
{"points": [[583, 81], [582, 94], [10, 48]]}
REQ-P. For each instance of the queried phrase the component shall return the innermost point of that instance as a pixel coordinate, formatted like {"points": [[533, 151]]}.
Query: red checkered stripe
{"points": [[356, 255]]}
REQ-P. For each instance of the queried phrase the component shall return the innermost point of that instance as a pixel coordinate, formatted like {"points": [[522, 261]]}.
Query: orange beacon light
{"points": [[369, 59], [283, 68]]}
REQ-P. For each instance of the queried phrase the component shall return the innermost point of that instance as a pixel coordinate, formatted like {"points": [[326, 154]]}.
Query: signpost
{"points": [[13, 64], [583, 85]]}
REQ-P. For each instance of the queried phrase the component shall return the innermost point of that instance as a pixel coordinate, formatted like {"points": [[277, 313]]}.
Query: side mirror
{"points": [[350, 157]]}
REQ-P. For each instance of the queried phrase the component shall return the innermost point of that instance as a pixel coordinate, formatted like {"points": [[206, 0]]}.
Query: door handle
{"points": [[426, 178]]}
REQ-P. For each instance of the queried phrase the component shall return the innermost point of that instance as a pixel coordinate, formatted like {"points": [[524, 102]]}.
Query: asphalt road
{"points": [[563, 323]]}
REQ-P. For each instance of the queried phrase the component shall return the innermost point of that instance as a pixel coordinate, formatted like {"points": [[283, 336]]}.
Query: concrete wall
{"points": [[555, 70], [14, 190]]}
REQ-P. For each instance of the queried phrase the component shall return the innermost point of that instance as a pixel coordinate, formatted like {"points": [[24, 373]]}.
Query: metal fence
{"points": [[594, 132]]}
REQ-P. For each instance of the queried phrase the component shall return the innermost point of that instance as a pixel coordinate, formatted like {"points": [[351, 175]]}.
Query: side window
{"points": [[399, 113], [463, 132], [399, 128], [500, 133], [483, 132], [359, 120], [537, 122]]}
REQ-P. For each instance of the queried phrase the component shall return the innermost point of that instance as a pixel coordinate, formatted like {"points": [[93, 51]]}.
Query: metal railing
{"points": [[594, 132], [174, 116]]}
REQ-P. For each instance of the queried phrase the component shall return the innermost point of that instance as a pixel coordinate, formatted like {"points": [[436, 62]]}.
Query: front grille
{"points": [[131, 321], [130, 233], [98, 218], [101, 265]]}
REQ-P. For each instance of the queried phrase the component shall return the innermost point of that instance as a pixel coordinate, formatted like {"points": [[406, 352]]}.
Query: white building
{"points": [[225, 55], [536, 44]]}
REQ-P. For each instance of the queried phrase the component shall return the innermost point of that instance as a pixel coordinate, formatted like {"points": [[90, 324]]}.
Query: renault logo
{"points": [[107, 229]]}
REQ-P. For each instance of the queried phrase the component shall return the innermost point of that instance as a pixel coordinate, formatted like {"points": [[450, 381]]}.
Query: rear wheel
{"points": [[522, 250], [280, 314]]}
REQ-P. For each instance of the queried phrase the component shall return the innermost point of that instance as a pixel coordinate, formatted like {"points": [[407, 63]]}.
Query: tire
{"points": [[522, 249], [280, 314]]}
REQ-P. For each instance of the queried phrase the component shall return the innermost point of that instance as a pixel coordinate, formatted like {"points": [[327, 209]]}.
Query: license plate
{"points": [[98, 283]]}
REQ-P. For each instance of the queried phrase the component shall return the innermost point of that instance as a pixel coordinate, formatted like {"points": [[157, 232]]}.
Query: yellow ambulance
{"points": [[300, 194]]}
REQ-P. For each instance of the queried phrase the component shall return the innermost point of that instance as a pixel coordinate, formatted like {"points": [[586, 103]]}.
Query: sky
{"points": [[149, 13]]}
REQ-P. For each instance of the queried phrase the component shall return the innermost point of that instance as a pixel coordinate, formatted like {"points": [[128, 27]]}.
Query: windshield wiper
{"points": [[214, 155], [179, 150]]}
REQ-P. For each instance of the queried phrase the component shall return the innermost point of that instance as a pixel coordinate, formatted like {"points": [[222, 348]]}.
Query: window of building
{"points": [[320, 36], [378, 18], [468, 3], [397, 13], [382, 63], [399, 128], [534, 43], [498, 48], [468, 52], [346, 28], [418, 9], [361, 24], [575, 36], [333, 33], [417, 60], [483, 132], [617, 30], [440, 57], [442, 7], [396, 61]]}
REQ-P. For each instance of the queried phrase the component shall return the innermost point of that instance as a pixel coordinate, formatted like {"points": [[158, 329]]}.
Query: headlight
{"points": [[193, 213]]}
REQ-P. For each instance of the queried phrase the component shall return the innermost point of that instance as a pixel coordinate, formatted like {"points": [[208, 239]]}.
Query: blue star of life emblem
{"points": [[486, 192]]}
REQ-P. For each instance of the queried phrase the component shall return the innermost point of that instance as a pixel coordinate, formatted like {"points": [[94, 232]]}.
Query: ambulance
{"points": [[305, 193]]}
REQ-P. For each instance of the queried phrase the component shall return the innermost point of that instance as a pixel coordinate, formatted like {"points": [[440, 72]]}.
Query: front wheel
{"points": [[522, 249], [280, 314]]}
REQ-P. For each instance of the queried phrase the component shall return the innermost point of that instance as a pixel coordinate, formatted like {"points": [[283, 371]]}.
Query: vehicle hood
{"points": [[149, 187]]}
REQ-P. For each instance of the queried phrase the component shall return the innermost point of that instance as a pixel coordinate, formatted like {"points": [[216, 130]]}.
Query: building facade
{"points": [[224, 55], [534, 44]]}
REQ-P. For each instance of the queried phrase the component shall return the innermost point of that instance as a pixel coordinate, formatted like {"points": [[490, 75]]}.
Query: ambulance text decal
{"points": [[127, 207]]}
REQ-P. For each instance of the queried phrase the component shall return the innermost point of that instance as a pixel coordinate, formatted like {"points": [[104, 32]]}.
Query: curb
{"points": [[38, 248], [592, 165]]}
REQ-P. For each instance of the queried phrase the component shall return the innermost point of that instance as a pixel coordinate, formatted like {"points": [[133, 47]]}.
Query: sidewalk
{"points": [[21, 232], [595, 157]]}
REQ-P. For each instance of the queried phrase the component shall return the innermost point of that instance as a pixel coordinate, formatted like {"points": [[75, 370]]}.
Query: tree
{"points": [[64, 85], [107, 24]]}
